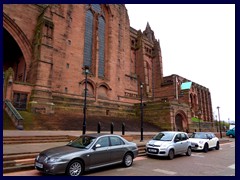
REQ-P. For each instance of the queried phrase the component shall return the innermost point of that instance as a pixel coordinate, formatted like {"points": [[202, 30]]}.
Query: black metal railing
{"points": [[14, 114]]}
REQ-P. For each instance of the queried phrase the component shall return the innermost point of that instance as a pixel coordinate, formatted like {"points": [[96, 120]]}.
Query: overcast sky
{"points": [[197, 43]]}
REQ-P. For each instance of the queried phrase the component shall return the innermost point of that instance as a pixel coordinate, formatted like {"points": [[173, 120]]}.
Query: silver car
{"points": [[87, 152], [169, 143]]}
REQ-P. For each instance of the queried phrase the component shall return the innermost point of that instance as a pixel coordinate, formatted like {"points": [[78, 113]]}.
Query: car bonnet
{"points": [[61, 151], [158, 142]]}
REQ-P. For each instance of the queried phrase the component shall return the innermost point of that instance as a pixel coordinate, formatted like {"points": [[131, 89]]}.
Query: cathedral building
{"points": [[52, 52]]}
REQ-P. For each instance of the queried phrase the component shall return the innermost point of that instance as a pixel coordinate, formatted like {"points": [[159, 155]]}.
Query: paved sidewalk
{"points": [[37, 147]]}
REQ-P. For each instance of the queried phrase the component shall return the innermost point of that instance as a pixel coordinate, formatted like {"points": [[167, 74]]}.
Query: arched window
{"points": [[101, 35], [94, 40], [88, 39]]}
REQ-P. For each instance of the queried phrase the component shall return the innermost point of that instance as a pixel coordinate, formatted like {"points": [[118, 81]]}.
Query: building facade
{"points": [[47, 47]]}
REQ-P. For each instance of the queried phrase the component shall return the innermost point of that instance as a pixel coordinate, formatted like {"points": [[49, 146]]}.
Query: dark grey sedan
{"points": [[87, 152]]}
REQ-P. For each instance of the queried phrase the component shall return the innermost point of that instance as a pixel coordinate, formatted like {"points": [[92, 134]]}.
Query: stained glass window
{"points": [[88, 39], [96, 8], [101, 33]]}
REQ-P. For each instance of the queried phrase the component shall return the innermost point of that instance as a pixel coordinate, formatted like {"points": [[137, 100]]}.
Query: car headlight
{"points": [[201, 142], [53, 160], [37, 157]]}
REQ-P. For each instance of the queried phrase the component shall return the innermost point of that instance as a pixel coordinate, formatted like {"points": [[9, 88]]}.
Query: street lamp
{"points": [[86, 71], [219, 122], [199, 115], [141, 107]]}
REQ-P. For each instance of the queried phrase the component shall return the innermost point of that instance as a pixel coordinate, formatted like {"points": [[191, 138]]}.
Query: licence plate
{"points": [[152, 150], [39, 165]]}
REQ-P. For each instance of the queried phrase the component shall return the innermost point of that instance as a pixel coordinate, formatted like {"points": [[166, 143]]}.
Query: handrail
{"points": [[14, 114]]}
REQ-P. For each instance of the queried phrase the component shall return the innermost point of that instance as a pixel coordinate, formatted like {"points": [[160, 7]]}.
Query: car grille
{"points": [[152, 145]]}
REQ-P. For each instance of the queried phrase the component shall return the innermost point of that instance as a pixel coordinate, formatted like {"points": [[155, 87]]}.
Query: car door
{"points": [[211, 141], [117, 149], [178, 144], [100, 155], [184, 142]]}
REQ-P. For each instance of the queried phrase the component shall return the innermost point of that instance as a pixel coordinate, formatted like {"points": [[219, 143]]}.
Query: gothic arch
{"points": [[104, 84], [103, 89], [181, 121], [21, 39], [91, 86]]}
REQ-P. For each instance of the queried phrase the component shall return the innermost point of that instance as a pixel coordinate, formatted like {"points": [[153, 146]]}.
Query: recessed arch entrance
{"points": [[19, 41], [181, 121], [16, 62]]}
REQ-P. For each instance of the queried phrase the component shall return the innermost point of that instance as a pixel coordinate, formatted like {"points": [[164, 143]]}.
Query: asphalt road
{"points": [[214, 163]]}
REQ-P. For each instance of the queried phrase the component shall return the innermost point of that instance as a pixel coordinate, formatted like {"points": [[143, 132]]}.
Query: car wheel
{"points": [[127, 160], [217, 146], [230, 135], [189, 151], [75, 168], [205, 148], [171, 154]]}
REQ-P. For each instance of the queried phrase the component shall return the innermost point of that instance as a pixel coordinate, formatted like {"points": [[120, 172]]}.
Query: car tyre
{"points": [[75, 168], [217, 146], [205, 148], [231, 136], [189, 151], [127, 160], [171, 154]]}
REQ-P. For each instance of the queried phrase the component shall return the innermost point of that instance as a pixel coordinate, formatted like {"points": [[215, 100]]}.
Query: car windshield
{"points": [[163, 136], [198, 135], [82, 142]]}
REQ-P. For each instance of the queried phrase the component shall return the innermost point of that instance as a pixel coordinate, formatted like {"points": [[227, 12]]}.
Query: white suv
{"points": [[204, 141], [169, 143]]}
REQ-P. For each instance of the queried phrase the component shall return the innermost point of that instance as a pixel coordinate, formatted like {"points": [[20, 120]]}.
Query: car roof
{"points": [[171, 132], [174, 131], [203, 132], [99, 134]]}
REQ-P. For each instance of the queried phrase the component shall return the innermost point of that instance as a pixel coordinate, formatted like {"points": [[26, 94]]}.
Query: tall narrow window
{"points": [[94, 40], [48, 33], [101, 35], [88, 39], [96, 7]]}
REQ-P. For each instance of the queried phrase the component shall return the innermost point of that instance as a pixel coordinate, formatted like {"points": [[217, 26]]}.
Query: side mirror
{"points": [[96, 146], [176, 140]]}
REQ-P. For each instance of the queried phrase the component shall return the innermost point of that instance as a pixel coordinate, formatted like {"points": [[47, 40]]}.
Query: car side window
{"points": [[116, 141], [208, 136], [104, 142], [213, 135], [178, 137], [184, 137]]}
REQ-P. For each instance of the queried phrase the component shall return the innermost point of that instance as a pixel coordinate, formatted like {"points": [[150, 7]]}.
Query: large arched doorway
{"points": [[13, 59], [181, 121], [178, 122]]}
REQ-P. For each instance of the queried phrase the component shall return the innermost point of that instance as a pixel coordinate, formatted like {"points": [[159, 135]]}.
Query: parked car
{"points": [[204, 141], [231, 132], [169, 143], [87, 152]]}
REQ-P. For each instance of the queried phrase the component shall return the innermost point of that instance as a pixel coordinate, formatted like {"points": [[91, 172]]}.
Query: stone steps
{"points": [[18, 162], [35, 139]]}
